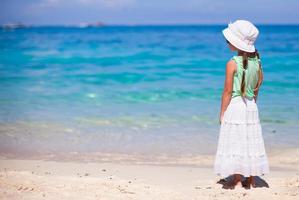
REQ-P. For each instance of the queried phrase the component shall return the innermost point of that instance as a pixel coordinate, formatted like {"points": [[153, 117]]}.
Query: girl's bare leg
{"points": [[246, 183], [232, 182]]}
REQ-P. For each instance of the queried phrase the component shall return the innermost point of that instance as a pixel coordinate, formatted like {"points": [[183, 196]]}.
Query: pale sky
{"points": [[59, 12]]}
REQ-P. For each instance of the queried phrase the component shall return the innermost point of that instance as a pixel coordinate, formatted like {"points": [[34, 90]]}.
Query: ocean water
{"points": [[144, 89]]}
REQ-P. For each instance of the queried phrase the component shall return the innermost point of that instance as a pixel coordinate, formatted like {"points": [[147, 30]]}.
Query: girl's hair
{"points": [[245, 56]]}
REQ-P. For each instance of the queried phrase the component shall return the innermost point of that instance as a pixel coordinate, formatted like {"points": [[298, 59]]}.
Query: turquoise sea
{"points": [[144, 89]]}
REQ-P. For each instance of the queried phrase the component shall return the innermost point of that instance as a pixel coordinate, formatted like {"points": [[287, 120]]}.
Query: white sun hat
{"points": [[241, 34]]}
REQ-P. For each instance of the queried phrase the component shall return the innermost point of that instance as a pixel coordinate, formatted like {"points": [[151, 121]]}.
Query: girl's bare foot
{"points": [[230, 184]]}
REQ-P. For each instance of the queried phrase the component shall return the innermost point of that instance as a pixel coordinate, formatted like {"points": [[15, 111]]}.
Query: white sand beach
{"points": [[65, 179]]}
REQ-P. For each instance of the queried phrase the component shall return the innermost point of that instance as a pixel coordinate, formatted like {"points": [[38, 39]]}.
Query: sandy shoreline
{"points": [[46, 179]]}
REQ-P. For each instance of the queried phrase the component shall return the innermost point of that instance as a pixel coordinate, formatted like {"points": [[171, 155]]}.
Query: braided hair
{"points": [[245, 56]]}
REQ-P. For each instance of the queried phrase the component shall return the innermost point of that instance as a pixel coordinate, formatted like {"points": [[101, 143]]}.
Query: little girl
{"points": [[241, 148]]}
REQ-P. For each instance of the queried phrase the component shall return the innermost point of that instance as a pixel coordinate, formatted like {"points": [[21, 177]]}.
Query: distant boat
{"points": [[13, 26], [82, 25], [87, 25]]}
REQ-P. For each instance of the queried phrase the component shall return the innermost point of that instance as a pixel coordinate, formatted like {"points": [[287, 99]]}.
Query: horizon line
{"points": [[141, 24]]}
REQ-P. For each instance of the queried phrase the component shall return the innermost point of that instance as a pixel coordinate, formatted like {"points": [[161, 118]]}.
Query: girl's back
{"points": [[251, 76]]}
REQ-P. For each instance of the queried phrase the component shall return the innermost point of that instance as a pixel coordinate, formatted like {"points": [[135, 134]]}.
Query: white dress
{"points": [[241, 147]]}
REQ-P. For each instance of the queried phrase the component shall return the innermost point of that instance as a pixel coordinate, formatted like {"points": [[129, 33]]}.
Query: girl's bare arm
{"points": [[261, 78], [231, 67]]}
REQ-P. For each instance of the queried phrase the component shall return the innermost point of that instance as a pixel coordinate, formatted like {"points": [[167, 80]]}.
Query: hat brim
{"points": [[235, 41]]}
